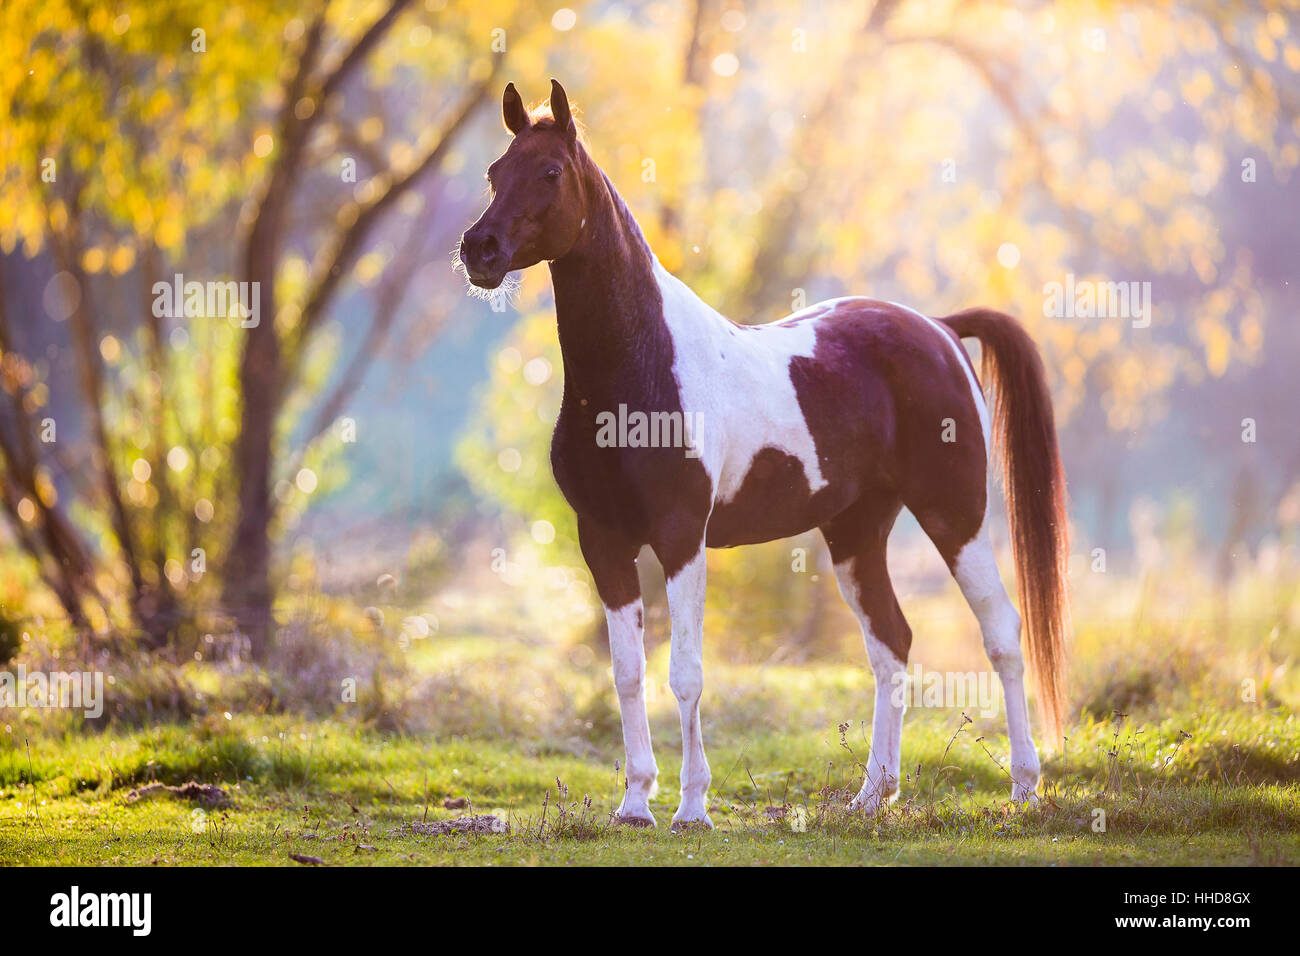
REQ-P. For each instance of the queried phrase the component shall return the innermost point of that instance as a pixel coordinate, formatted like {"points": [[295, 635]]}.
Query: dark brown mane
{"points": [[624, 213]]}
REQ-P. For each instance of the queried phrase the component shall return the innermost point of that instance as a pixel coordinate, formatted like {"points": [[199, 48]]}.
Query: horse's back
{"points": [[876, 394]]}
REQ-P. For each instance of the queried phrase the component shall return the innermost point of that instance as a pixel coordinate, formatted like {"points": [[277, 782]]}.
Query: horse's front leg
{"points": [[627, 654], [686, 677], [612, 561]]}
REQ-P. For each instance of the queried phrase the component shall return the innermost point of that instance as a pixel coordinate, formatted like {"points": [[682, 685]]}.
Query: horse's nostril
{"points": [[480, 252]]}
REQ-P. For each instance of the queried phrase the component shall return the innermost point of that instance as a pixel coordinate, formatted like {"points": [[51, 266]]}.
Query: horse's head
{"points": [[537, 207]]}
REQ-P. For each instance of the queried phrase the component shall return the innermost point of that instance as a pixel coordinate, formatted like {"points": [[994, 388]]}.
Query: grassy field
{"points": [[1183, 748], [1197, 788]]}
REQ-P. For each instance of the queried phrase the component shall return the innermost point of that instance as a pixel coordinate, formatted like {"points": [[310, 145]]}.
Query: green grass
{"points": [[1226, 795], [1203, 770]]}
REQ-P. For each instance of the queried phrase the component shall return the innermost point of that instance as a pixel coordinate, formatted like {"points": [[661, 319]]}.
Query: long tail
{"points": [[1024, 436]]}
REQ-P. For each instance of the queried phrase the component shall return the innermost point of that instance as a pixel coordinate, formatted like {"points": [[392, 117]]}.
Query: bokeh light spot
{"points": [[726, 64]]}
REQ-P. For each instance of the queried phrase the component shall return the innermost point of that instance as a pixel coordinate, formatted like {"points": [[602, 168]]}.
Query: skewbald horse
{"points": [[832, 418]]}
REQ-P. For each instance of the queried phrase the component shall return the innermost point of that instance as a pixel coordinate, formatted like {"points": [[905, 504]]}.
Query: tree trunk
{"points": [[248, 594]]}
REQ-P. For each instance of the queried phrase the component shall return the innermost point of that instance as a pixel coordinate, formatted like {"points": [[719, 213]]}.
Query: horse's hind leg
{"points": [[857, 539], [970, 559]]}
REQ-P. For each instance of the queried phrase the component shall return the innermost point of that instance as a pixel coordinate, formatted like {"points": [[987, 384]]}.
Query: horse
{"points": [[835, 418]]}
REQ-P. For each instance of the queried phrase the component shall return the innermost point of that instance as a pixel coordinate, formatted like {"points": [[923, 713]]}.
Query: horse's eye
{"points": [[553, 173]]}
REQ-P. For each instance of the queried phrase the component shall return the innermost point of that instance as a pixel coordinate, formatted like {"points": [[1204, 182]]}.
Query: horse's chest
{"points": [[625, 467]]}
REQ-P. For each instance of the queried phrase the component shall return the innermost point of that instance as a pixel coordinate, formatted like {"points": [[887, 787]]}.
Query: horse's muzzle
{"points": [[486, 262]]}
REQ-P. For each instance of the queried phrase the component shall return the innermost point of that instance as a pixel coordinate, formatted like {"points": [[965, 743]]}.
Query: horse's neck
{"points": [[608, 304]]}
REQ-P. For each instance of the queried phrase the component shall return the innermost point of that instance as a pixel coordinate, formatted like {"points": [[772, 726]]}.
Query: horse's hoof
{"points": [[699, 823], [1023, 796], [634, 820], [870, 803]]}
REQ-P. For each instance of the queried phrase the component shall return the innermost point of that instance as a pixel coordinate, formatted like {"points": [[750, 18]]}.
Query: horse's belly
{"points": [[773, 501]]}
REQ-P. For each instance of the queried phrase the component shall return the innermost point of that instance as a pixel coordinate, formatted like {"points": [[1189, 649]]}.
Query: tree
{"points": [[266, 371], [134, 142]]}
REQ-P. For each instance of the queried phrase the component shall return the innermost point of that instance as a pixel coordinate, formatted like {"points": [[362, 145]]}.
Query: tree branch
{"points": [[347, 248], [64, 545], [354, 57], [67, 249], [391, 295]]}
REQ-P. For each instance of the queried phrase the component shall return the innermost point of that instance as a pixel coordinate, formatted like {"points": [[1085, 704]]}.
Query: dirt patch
{"points": [[477, 824], [207, 794]]}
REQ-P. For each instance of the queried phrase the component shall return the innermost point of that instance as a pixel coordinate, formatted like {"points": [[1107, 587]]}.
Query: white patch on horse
{"points": [[627, 655], [736, 384], [981, 407]]}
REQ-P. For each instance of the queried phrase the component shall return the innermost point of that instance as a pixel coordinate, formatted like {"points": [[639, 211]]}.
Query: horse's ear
{"points": [[560, 109], [512, 110]]}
